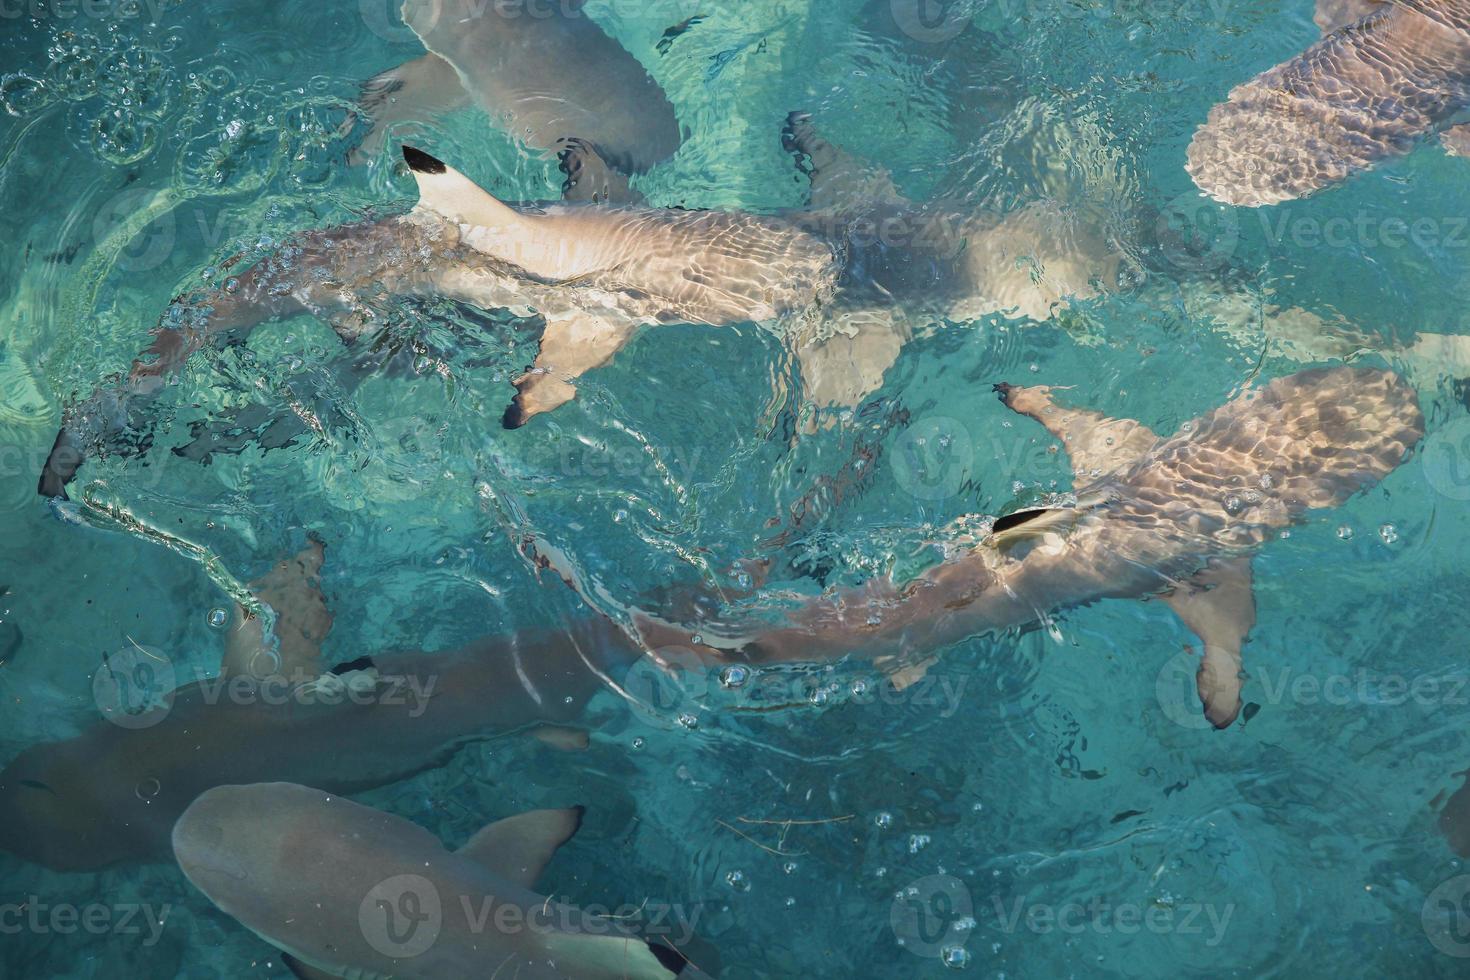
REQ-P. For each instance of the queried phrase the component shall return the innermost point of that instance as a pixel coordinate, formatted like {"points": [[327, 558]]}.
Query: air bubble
{"points": [[734, 676], [219, 617], [955, 957], [1388, 533]]}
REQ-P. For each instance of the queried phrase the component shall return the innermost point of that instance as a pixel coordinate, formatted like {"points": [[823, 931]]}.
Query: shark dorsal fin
{"points": [[450, 194], [1023, 525], [1096, 443], [518, 848]]}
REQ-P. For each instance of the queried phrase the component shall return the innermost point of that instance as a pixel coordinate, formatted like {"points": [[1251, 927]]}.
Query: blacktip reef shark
{"points": [[839, 281], [111, 794], [324, 879], [545, 71], [1176, 518], [1384, 77]]}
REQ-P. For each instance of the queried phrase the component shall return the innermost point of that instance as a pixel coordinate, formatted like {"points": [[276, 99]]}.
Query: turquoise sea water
{"points": [[1045, 804]]}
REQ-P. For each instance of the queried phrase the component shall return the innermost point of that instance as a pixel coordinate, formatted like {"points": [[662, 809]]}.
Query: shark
{"points": [[1174, 519], [1384, 76], [110, 795], [349, 891], [843, 281], [544, 71]]}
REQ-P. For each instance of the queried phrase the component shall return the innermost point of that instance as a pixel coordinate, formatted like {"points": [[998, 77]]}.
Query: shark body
{"points": [[1383, 77], [111, 794], [326, 879], [840, 283], [544, 71], [1176, 517]]}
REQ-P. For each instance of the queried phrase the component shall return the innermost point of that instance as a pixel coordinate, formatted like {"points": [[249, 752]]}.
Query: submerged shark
{"points": [[1385, 76], [354, 892], [1176, 518], [545, 71], [840, 281], [111, 794]]}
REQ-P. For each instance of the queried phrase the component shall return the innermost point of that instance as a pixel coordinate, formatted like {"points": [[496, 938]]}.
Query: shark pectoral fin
{"points": [[1456, 140], [1219, 608], [579, 953], [292, 588], [1096, 443], [842, 368], [519, 847], [415, 90], [570, 347], [560, 737], [305, 971], [839, 181], [905, 675], [450, 194]]}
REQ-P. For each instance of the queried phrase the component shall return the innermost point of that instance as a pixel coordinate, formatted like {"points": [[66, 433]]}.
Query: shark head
{"points": [[355, 891]]}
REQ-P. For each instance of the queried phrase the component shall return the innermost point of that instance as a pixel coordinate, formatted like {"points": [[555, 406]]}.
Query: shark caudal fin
{"points": [[415, 91], [1368, 91], [519, 847]]}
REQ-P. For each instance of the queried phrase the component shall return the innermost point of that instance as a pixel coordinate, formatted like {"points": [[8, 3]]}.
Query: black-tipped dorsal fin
{"points": [[1096, 443], [519, 847], [450, 194]]}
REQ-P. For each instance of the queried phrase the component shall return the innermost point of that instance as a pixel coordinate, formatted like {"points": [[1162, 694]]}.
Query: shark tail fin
{"points": [[450, 194], [519, 847]]}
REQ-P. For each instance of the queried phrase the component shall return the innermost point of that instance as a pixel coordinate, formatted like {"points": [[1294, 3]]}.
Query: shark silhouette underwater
{"points": [[839, 281], [325, 879], [110, 795], [545, 72], [1384, 77], [1177, 518]]}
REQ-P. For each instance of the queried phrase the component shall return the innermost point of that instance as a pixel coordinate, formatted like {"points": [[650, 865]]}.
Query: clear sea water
{"points": [[1048, 808]]}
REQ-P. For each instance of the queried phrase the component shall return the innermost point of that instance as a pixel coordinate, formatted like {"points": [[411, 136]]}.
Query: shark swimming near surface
{"points": [[325, 880], [841, 281], [1385, 76], [1177, 518], [111, 794], [545, 72]]}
